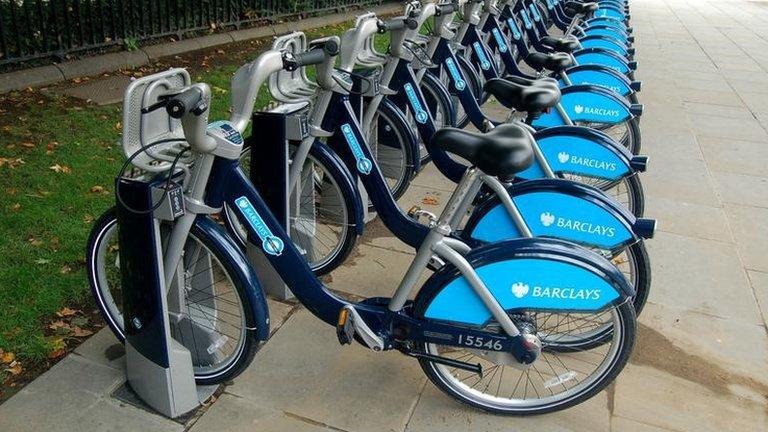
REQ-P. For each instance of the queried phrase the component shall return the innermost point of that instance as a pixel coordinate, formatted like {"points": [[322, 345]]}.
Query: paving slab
{"points": [[728, 155], [689, 219], [101, 91], [234, 414], [30, 77], [731, 128], [759, 282], [72, 386], [305, 372], [372, 271], [748, 190], [672, 338], [664, 400], [621, 424], [103, 348], [700, 275], [751, 234], [437, 412], [103, 63]]}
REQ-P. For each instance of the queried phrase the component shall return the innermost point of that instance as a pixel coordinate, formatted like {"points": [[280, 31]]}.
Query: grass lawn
{"points": [[58, 160]]}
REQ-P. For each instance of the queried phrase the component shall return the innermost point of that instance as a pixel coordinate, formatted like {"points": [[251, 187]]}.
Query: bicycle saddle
{"points": [[556, 62], [534, 97], [551, 82], [582, 8], [564, 44], [502, 152]]}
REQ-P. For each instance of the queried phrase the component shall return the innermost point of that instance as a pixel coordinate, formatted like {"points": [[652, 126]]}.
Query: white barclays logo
{"points": [[564, 157], [521, 289], [617, 89], [578, 109], [548, 219]]}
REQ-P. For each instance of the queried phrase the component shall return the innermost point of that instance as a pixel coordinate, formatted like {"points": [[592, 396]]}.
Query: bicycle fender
{"points": [[609, 31], [556, 208], [345, 179], [581, 151], [587, 103], [603, 57], [607, 43], [600, 76], [243, 271], [538, 274]]}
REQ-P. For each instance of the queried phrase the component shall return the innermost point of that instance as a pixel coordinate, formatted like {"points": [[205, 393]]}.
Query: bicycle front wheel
{"points": [[323, 224], [210, 315]]}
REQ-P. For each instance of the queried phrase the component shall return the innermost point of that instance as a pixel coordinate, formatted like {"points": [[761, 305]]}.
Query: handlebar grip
{"points": [[307, 58], [397, 24], [187, 101], [447, 8]]}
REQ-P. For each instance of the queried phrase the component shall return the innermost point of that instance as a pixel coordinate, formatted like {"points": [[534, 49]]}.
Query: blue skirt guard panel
{"points": [[604, 30], [587, 103], [605, 43], [555, 208], [542, 274], [602, 57], [609, 12], [600, 76], [582, 151]]}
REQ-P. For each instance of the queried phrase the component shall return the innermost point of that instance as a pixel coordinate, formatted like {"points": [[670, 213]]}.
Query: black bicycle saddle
{"points": [[555, 62], [502, 152], [532, 97]]}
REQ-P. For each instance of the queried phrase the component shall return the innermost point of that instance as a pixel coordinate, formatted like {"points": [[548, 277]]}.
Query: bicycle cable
{"points": [[168, 182]]}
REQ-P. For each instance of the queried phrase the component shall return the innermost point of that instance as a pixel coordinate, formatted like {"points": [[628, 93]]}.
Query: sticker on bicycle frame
{"points": [[499, 40], [535, 12], [458, 81], [526, 19], [270, 243], [513, 26], [418, 111], [363, 164], [484, 63]]}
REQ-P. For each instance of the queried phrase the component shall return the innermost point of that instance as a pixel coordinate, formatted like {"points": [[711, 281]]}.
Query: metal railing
{"points": [[31, 29]]}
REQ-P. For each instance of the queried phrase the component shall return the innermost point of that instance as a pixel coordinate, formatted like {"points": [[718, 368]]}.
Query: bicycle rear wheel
{"points": [[564, 374]]}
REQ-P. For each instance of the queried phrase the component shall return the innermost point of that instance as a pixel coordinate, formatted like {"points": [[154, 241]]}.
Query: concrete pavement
{"points": [[701, 360]]}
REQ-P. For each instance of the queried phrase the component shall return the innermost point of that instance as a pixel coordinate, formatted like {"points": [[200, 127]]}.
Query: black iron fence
{"points": [[32, 29]]}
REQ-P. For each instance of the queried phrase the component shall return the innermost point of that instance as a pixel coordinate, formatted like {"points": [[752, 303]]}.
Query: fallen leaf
{"points": [[87, 219], [118, 125], [34, 241], [430, 201], [65, 269], [7, 357], [57, 325], [27, 145], [97, 189], [58, 343], [15, 368], [78, 332], [57, 353], [60, 168], [42, 261], [15, 206], [65, 312]]}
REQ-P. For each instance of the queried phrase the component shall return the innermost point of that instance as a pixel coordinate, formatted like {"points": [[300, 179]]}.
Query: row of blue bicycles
{"points": [[536, 266]]}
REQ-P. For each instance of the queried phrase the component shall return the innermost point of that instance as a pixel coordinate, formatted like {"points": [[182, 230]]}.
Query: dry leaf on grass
{"points": [[65, 312], [60, 169]]}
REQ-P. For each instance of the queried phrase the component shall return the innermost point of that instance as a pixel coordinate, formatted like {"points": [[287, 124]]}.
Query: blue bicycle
{"points": [[501, 327]]}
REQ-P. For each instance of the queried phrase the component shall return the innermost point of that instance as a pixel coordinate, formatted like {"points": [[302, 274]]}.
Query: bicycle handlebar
{"points": [[189, 101]]}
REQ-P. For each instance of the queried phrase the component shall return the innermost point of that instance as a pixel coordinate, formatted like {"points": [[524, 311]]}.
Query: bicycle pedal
{"points": [[345, 330]]}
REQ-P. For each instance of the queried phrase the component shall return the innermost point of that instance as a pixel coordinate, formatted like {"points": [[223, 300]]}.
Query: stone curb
{"points": [[50, 74]]}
